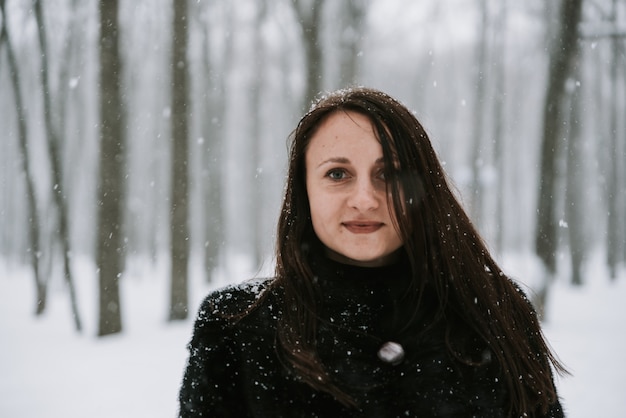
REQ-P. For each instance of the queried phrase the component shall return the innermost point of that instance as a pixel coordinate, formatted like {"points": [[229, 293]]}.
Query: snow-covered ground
{"points": [[48, 370], [587, 329]]}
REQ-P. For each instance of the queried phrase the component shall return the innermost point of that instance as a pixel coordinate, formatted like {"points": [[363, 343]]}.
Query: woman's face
{"points": [[347, 192]]}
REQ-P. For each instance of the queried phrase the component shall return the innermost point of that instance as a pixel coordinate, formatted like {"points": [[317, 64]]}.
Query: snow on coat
{"points": [[390, 370]]}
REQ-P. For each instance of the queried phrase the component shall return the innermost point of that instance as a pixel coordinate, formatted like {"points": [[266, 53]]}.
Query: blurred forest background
{"points": [[142, 132]]}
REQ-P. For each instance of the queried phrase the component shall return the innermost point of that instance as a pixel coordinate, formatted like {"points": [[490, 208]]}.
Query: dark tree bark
{"points": [[58, 192], [478, 157], [70, 44], [110, 251], [574, 196], [616, 201], [350, 40], [256, 128], [499, 152], [179, 211], [425, 65], [309, 14], [214, 92], [565, 49], [621, 137], [33, 215]]}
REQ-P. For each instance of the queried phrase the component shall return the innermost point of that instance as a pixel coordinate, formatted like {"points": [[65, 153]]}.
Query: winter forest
{"points": [[144, 145]]}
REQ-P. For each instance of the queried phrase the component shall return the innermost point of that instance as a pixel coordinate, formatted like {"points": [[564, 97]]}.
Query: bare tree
{"points": [[616, 202], [179, 211], [212, 108], [499, 115], [58, 188], [33, 215], [352, 29], [621, 138], [613, 173], [110, 246], [256, 126], [309, 14], [478, 157], [574, 193], [563, 53]]}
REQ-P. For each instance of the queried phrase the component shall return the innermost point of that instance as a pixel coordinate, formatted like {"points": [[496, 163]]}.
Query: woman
{"points": [[385, 303]]}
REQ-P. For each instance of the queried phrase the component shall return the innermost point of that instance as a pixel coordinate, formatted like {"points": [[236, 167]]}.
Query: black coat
{"points": [[234, 371]]}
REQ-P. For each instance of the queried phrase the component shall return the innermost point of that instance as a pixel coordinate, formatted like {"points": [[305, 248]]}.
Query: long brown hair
{"points": [[440, 242]]}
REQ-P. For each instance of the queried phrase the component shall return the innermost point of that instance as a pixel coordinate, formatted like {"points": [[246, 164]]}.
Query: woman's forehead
{"points": [[343, 134]]}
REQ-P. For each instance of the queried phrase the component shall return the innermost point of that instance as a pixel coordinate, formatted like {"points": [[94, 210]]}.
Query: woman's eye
{"points": [[336, 174], [380, 175]]}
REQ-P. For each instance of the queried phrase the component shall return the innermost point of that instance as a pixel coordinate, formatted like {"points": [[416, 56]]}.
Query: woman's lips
{"points": [[362, 227]]}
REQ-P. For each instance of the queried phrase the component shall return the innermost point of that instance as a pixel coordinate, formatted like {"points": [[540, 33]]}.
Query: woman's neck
{"points": [[378, 262]]}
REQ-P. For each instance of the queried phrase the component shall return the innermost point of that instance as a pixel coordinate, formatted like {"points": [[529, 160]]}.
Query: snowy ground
{"points": [[47, 370]]}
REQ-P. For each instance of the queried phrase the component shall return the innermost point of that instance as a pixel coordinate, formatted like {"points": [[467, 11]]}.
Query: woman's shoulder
{"points": [[233, 303]]}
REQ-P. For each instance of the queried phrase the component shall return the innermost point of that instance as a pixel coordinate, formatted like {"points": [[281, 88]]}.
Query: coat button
{"points": [[391, 353]]}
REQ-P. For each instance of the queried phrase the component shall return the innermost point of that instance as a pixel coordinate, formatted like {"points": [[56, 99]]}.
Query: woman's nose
{"points": [[364, 196]]}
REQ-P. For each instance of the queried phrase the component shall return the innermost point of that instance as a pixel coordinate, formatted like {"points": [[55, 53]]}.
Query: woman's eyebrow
{"points": [[344, 160], [335, 160]]}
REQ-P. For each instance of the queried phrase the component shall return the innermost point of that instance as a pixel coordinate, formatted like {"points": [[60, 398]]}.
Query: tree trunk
{"points": [[478, 159], [499, 114], [615, 184], [110, 247], [564, 50], [574, 199], [309, 15], [59, 196], [179, 226], [350, 41], [212, 130], [621, 137], [33, 215], [256, 131]]}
